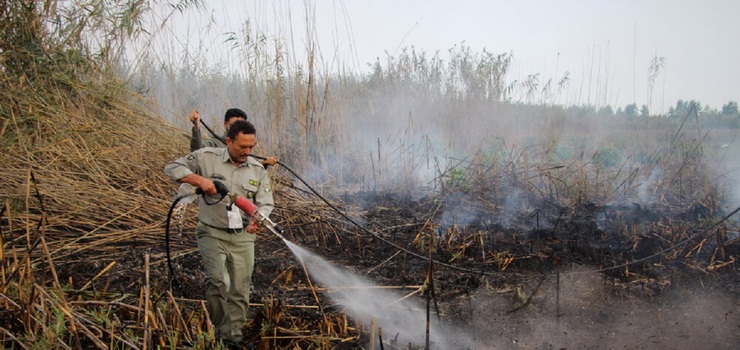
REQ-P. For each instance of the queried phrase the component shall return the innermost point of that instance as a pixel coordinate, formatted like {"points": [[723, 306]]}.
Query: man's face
{"points": [[231, 120], [240, 147]]}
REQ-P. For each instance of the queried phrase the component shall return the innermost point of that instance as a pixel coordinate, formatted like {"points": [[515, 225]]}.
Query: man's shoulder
{"points": [[209, 152], [213, 142], [256, 162], [214, 150]]}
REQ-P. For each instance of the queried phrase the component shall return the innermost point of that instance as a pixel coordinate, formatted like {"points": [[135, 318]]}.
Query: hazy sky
{"points": [[612, 42]]}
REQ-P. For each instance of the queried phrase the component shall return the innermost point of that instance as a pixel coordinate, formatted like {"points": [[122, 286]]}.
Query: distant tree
{"points": [[644, 111], [683, 107], [630, 110], [730, 108], [606, 111]]}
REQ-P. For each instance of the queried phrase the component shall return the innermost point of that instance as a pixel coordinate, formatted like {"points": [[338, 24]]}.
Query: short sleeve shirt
{"points": [[249, 179]]}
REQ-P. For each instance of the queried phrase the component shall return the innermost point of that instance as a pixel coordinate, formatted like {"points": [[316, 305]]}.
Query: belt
{"points": [[227, 230]]}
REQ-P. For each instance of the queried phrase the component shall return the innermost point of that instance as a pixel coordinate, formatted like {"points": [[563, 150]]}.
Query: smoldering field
{"points": [[566, 228], [549, 226], [609, 206]]}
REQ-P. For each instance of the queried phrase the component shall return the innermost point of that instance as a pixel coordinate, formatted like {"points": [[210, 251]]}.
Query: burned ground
{"points": [[629, 275], [546, 276]]}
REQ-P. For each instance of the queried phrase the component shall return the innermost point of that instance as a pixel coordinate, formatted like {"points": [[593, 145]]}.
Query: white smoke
{"points": [[644, 191]]}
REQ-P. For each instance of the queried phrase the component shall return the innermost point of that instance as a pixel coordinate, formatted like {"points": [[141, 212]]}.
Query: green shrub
{"points": [[607, 157]]}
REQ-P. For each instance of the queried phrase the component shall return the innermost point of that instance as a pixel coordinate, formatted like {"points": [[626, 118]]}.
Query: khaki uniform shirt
{"points": [[249, 180]]}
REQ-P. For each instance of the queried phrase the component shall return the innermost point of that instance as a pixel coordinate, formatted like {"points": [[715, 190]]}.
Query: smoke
{"points": [[644, 191], [458, 211], [514, 205], [729, 176], [400, 317]]}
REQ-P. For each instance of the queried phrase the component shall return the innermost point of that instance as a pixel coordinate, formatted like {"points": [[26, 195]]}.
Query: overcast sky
{"points": [[613, 41]]}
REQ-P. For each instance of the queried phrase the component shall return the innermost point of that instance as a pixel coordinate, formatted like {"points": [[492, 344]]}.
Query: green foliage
{"points": [[457, 179], [607, 157], [606, 111], [644, 111], [561, 153], [463, 74], [494, 152], [67, 42], [204, 340], [630, 110], [682, 108], [266, 327], [730, 108]]}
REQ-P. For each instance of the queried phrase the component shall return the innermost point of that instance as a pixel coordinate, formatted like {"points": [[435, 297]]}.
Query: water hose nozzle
{"points": [[251, 209]]}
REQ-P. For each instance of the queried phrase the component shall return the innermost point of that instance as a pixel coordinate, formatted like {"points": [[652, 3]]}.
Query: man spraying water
{"points": [[226, 234]]}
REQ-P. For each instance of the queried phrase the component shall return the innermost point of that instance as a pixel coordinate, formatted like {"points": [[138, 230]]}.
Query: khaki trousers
{"points": [[228, 259]]}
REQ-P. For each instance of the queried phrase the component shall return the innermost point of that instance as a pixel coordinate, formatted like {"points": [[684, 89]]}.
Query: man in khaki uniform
{"points": [[225, 236]]}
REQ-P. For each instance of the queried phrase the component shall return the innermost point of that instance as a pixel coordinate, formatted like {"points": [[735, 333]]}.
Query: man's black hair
{"points": [[234, 112], [241, 126]]}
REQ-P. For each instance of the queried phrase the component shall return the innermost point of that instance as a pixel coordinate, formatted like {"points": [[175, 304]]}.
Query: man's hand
{"points": [[269, 161], [253, 227], [205, 185], [194, 118]]}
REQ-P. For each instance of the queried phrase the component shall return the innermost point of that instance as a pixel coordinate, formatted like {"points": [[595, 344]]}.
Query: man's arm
{"points": [[263, 198], [269, 161], [195, 136], [195, 140], [183, 170], [201, 182], [264, 201]]}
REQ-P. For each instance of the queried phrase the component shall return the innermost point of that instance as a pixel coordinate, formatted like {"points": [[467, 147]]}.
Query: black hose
{"points": [[222, 190], [172, 279], [212, 133]]}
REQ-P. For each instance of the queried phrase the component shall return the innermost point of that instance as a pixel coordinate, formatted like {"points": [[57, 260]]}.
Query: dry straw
{"points": [[83, 192]]}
